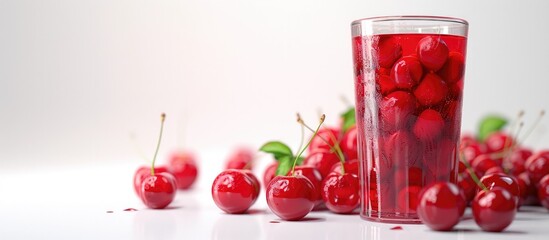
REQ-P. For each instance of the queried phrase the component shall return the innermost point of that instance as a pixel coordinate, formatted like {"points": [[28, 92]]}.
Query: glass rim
{"points": [[410, 18]]}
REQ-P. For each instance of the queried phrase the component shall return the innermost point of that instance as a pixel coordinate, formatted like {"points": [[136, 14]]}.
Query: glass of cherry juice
{"points": [[409, 89]]}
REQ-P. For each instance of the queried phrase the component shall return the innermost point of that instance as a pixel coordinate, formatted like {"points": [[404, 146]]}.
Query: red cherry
{"points": [[526, 188], [371, 178], [537, 166], [543, 191], [431, 177], [382, 201], [432, 52], [349, 143], [401, 149], [429, 125], [396, 109], [472, 150], [449, 110], [441, 205], [158, 190], [453, 69], [530, 195], [237, 165], [484, 162], [383, 71], [466, 140], [468, 185], [290, 197], [407, 72], [270, 173], [241, 158], [431, 91], [518, 160], [341, 192], [330, 134], [386, 84], [184, 169], [498, 141], [408, 199], [451, 113], [455, 90], [351, 166], [502, 180], [381, 170], [234, 191], [389, 51], [440, 156], [314, 176], [143, 172], [322, 160], [493, 170], [412, 176], [494, 210], [461, 167], [255, 181]]}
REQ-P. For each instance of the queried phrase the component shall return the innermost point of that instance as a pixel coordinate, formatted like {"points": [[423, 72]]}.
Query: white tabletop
{"points": [[73, 202]]}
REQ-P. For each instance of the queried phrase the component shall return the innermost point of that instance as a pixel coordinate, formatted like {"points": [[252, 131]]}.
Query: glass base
{"points": [[391, 218]]}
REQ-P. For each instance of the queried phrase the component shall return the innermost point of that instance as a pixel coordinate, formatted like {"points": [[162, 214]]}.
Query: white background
{"points": [[78, 78]]}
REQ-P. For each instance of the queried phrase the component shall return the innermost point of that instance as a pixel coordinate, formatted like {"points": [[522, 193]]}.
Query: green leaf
{"points": [[490, 124], [349, 119], [284, 165], [278, 149], [299, 160]]}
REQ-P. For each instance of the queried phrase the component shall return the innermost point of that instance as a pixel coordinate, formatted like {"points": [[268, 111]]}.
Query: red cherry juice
{"points": [[409, 91]]}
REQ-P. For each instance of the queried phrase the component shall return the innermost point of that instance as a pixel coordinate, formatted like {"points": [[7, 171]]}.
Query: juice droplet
{"points": [[130, 210], [396, 228]]}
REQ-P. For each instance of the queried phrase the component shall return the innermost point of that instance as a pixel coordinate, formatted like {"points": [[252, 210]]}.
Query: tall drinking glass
{"points": [[409, 88]]}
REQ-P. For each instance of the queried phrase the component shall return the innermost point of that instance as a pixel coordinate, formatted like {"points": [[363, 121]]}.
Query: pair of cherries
{"points": [[293, 196], [442, 204], [324, 178], [157, 186], [181, 170], [290, 197], [236, 190], [335, 156]]}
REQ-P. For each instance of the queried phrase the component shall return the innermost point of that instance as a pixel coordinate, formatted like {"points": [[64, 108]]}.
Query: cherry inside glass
{"points": [[409, 88]]}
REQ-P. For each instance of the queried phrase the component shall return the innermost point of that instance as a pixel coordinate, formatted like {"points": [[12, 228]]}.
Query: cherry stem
{"points": [[339, 152], [531, 129], [472, 173], [335, 148], [249, 164], [512, 131], [516, 121], [162, 118], [302, 131], [508, 150], [322, 118]]}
